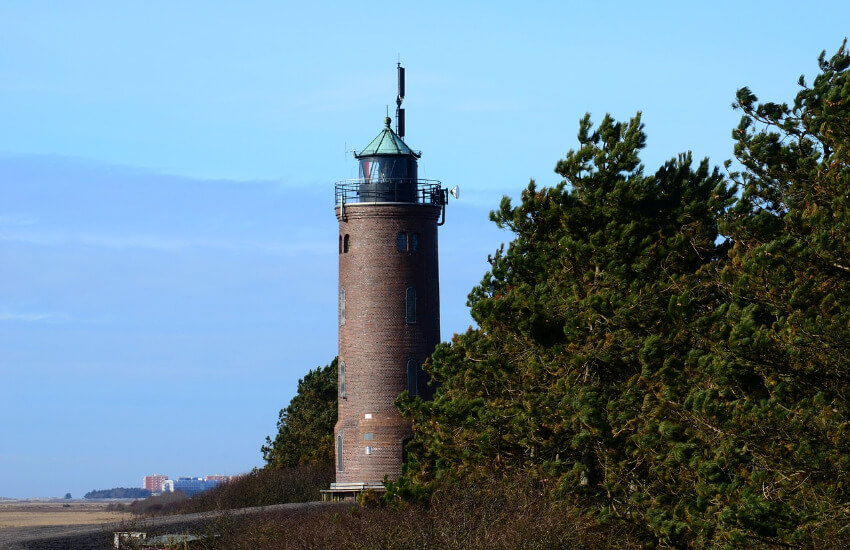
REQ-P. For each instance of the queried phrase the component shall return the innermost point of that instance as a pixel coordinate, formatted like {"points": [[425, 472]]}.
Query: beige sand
{"points": [[31, 514]]}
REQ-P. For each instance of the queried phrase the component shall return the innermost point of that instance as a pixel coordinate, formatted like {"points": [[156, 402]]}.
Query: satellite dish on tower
{"points": [[455, 192]]}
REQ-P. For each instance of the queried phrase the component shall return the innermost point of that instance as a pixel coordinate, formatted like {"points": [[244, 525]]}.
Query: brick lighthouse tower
{"points": [[389, 304]]}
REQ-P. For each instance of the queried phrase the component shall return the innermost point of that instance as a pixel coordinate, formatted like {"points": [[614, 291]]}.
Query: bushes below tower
{"points": [[263, 487], [260, 487], [503, 514]]}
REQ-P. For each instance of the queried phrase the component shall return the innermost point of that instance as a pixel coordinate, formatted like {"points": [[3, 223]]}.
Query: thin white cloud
{"points": [[6, 315]]}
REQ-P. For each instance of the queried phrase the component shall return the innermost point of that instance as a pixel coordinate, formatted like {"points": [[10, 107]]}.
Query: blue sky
{"points": [[167, 240]]}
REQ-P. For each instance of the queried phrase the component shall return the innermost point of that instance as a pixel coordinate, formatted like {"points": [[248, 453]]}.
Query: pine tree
{"points": [[305, 426], [775, 389], [649, 371], [583, 341]]}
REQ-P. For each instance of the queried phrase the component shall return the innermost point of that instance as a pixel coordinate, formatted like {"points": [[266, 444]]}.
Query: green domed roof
{"points": [[387, 143]]}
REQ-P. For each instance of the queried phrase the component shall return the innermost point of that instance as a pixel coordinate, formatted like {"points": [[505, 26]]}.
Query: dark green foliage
{"points": [[580, 361], [782, 337], [650, 371], [305, 427]]}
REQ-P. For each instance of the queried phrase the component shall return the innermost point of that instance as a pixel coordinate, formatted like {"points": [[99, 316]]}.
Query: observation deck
{"points": [[399, 190]]}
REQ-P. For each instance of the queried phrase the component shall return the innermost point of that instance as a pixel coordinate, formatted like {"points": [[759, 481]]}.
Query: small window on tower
{"points": [[339, 453], [412, 377], [401, 242], [342, 378], [340, 244], [414, 242], [341, 306], [345, 244], [410, 299]]}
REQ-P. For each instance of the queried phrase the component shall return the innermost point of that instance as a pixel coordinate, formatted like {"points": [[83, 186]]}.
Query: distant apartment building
{"points": [[154, 483], [191, 485]]}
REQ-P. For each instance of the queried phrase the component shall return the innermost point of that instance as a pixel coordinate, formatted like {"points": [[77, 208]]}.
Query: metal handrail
{"points": [[388, 190]]}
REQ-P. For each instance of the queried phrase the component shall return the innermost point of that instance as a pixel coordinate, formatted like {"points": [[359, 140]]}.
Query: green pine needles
{"points": [[667, 349]]}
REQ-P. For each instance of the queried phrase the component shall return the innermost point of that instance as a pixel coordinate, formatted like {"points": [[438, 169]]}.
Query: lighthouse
{"points": [[389, 304]]}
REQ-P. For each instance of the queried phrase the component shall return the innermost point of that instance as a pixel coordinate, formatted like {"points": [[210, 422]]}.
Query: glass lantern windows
{"points": [[378, 169]]}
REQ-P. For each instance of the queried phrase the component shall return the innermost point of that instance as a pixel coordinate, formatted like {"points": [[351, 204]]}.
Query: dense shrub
{"points": [[497, 514], [263, 487], [156, 505], [260, 487]]}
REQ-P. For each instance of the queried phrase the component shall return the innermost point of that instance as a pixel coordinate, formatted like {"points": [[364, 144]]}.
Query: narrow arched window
{"points": [[414, 242], [339, 453], [412, 377], [401, 242], [342, 378], [410, 302], [340, 244], [345, 244], [341, 306]]}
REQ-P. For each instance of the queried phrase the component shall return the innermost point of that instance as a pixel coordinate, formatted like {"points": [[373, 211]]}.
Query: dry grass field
{"points": [[34, 514]]}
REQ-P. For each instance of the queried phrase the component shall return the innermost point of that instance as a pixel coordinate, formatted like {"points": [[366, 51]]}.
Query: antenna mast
{"points": [[399, 112]]}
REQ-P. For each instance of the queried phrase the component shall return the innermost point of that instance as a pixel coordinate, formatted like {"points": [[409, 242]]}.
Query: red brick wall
{"points": [[376, 341]]}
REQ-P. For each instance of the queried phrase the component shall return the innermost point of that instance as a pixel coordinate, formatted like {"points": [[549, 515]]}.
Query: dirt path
{"points": [[99, 537]]}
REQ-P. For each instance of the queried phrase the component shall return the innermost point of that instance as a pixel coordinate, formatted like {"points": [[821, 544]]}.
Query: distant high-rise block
{"points": [[191, 485], [153, 483]]}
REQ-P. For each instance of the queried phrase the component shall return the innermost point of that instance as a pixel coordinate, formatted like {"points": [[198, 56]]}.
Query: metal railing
{"points": [[418, 191]]}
